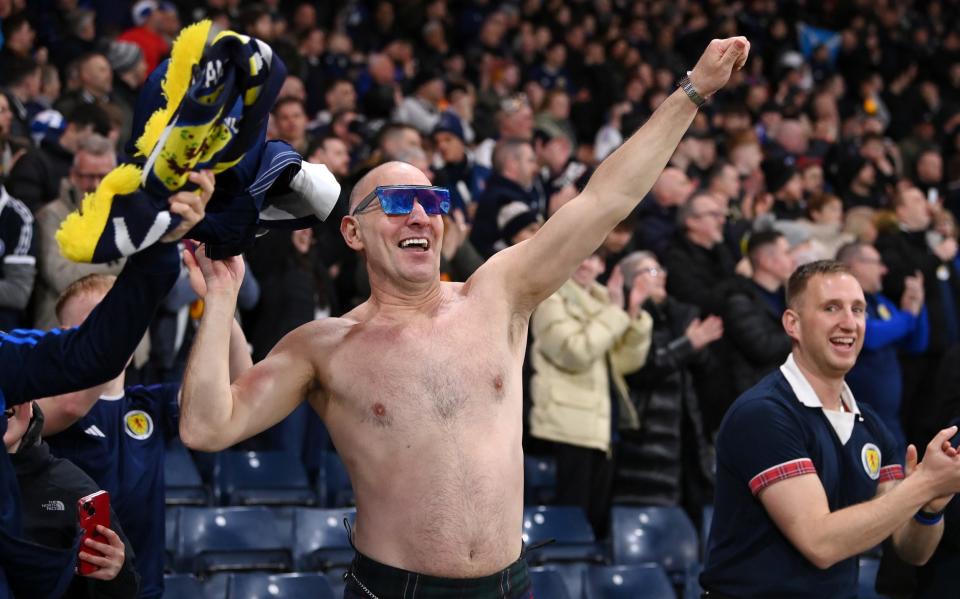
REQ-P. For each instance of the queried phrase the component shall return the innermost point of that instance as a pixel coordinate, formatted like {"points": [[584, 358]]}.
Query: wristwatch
{"points": [[691, 91]]}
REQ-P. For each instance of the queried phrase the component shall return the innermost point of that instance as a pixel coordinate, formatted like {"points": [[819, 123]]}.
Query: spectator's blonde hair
{"points": [[96, 283]]}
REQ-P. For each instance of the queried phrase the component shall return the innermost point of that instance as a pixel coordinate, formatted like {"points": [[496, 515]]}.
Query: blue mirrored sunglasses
{"points": [[398, 200]]}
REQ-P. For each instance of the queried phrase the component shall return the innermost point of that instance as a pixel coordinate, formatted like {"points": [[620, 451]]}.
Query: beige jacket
{"points": [[577, 333]]}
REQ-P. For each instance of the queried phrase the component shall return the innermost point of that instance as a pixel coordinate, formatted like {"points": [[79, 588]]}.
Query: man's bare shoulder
{"points": [[319, 334]]}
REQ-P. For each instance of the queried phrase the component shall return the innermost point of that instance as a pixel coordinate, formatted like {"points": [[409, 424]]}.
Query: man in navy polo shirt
{"points": [[806, 478]]}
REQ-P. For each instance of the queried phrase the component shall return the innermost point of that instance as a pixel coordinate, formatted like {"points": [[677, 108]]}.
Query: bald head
{"points": [[389, 173]]}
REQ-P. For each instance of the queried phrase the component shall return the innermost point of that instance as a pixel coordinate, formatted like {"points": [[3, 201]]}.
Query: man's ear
{"points": [[350, 229], [791, 323]]}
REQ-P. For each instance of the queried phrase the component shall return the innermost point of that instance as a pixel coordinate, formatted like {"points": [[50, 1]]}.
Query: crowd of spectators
{"points": [[840, 138]]}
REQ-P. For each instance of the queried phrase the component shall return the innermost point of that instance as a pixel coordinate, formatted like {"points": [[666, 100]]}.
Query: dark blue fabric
{"points": [[130, 468], [37, 571], [656, 226], [876, 378], [36, 364], [950, 324], [747, 555], [777, 300], [499, 192]]}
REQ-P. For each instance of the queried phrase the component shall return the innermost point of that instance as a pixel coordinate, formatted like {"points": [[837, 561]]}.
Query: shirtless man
{"points": [[420, 385]]}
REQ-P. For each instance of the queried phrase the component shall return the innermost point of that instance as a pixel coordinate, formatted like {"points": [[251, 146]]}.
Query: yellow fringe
{"points": [[187, 51], [81, 230]]}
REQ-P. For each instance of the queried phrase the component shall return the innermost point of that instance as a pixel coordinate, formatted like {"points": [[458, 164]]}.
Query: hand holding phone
{"points": [[92, 510]]}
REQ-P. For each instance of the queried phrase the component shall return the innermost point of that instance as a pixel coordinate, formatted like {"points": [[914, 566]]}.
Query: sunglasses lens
{"points": [[398, 201]]}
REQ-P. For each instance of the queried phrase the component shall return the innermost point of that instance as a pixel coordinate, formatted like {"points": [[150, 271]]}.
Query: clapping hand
{"points": [[913, 297], [615, 287], [702, 333]]}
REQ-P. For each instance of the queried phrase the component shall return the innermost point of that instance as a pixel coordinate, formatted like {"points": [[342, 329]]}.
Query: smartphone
{"points": [[933, 196], [92, 510]]}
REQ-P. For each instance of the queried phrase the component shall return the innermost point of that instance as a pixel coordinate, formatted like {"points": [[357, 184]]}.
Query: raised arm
{"points": [[536, 268], [215, 414]]}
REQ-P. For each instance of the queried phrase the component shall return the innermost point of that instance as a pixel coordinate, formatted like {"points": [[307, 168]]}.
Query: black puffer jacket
{"points": [[698, 275], [668, 460], [755, 342]]}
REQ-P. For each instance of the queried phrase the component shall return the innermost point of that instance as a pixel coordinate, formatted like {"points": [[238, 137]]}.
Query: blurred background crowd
{"points": [[840, 138]]}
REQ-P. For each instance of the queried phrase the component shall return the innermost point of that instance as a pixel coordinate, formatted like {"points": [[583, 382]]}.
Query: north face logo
{"points": [[54, 506]]}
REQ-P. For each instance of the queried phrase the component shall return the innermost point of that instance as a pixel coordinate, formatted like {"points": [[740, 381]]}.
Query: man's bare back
{"points": [[426, 414]]}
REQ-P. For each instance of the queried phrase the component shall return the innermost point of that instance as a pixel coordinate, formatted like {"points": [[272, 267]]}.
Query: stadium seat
{"points": [[261, 478], [705, 523], [573, 575], [663, 535], [279, 586], [178, 586], [215, 586], [170, 538], [539, 480], [692, 588], [638, 581], [548, 583], [232, 539], [181, 477], [320, 541], [868, 578], [333, 484], [335, 578], [567, 526]]}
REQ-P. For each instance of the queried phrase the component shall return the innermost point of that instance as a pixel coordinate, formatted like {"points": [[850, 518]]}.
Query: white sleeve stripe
{"points": [[19, 259]]}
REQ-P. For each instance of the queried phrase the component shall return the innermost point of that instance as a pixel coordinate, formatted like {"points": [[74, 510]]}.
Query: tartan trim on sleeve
{"points": [[891, 472], [780, 472]]}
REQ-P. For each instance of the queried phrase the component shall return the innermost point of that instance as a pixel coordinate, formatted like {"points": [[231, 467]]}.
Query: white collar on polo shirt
{"points": [[842, 422]]}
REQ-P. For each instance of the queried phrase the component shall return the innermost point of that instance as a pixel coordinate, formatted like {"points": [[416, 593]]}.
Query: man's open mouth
{"points": [[842, 342], [414, 243]]}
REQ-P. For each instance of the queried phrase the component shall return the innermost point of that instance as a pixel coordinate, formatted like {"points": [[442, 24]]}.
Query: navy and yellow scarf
{"points": [[206, 107]]}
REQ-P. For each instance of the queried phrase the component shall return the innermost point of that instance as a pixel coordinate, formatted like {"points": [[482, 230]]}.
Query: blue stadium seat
{"points": [[178, 586], [333, 484], [215, 586], [663, 535], [573, 575], [692, 588], [170, 537], [868, 578], [279, 586], [335, 578], [320, 541], [638, 581], [548, 583], [539, 480], [568, 527], [261, 478], [705, 523], [181, 477], [232, 539]]}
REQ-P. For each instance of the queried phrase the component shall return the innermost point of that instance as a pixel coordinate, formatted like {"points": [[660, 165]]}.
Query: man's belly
{"points": [[454, 511]]}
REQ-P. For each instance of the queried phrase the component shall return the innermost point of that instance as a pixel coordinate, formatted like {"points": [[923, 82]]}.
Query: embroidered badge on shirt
{"points": [[138, 424], [883, 312], [943, 273], [870, 456]]}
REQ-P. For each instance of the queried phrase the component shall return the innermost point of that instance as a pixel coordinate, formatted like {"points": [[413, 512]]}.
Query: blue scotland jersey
{"points": [[120, 444]]}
